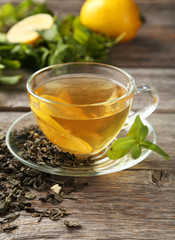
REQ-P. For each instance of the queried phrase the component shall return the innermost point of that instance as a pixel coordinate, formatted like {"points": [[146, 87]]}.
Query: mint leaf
{"points": [[67, 41], [58, 54], [50, 34], [133, 142], [120, 147], [136, 151], [2, 66], [9, 79], [155, 148], [14, 64], [7, 15], [142, 134], [135, 128], [11, 13]]}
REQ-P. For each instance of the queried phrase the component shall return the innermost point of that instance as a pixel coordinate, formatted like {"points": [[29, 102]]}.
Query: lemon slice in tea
{"points": [[60, 136], [59, 110]]}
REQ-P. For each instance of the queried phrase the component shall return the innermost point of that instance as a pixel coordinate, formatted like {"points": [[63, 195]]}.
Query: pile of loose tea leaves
{"points": [[32, 145], [20, 184]]}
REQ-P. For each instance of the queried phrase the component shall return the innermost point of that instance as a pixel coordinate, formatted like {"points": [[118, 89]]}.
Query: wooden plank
{"points": [[161, 79], [126, 205], [153, 47], [157, 12]]}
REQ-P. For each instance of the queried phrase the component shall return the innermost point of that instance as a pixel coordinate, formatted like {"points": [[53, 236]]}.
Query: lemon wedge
{"points": [[58, 110], [60, 136], [25, 31]]}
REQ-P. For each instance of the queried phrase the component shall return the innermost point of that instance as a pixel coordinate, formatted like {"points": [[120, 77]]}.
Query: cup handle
{"points": [[149, 108]]}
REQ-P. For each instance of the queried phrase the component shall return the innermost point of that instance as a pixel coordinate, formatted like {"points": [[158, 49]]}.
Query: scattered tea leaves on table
{"points": [[53, 214], [29, 139], [19, 185]]}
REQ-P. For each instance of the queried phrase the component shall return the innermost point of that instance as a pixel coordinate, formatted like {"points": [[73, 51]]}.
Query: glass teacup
{"points": [[82, 107]]}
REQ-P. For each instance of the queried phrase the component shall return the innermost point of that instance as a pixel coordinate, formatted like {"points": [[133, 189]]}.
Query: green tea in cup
{"points": [[81, 107]]}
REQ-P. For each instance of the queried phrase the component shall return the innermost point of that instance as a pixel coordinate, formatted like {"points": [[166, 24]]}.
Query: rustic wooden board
{"points": [[156, 51], [126, 205]]}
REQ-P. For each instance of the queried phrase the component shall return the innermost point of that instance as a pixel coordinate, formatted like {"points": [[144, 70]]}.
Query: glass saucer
{"points": [[101, 166]]}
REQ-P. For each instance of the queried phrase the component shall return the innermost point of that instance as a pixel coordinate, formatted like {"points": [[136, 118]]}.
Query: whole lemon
{"points": [[112, 17]]}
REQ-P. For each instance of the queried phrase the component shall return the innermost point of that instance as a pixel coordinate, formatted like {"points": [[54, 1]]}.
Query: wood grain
{"points": [[126, 205]]}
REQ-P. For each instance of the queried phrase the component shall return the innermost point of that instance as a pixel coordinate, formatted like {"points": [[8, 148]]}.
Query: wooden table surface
{"points": [[137, 203]]}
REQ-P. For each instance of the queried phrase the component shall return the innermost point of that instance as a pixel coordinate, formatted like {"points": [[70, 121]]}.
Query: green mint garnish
{"points": [[67, 41], [133, 143]]}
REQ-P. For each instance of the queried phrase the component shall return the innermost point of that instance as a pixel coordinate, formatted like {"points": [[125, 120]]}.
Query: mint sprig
{"points": [[134, 142], [67, 41]]}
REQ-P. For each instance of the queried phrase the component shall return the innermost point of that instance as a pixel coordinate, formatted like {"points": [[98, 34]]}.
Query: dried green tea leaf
{"points": [[30, 195], [10, 228], [72, 224]]}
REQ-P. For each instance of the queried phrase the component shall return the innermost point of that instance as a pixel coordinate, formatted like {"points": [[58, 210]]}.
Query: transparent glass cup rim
{"points": [[129, 77]]}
